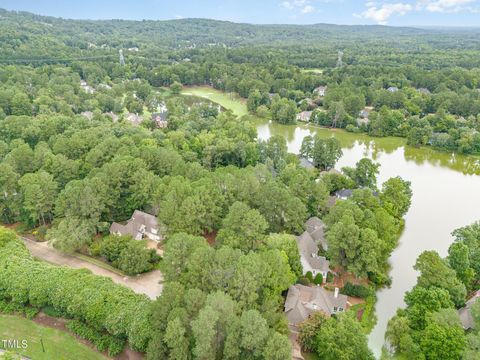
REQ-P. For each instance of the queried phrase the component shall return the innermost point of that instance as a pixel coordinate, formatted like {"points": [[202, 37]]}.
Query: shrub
{"points": [[102, 341], [318, 279], [51, 311], [329, 277], [134, 259], [357, 290], [303, 280], [309, 276]]}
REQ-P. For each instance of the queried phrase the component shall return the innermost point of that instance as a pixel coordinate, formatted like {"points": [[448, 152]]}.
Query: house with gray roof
{"points": [[344, 194], [308, 248], [302, 301], [160, 119], [320, 91], [140, 226], [465, 313], [392, 89], [305, 163], [304, 116]]}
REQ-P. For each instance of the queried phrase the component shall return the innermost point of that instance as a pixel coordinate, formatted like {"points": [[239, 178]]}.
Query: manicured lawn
{"points": [[227, 100], [313, 71], [58, 345]]}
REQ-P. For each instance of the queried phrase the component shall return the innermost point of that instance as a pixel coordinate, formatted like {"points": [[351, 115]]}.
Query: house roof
{"points": [[316, 228], [305, 163], [465, 313], [344, 193], [139, 222], [309, 251], [304, 116], [304, 300]]}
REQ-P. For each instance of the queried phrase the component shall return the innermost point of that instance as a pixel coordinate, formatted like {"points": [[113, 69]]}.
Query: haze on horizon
{"points": [[418, 13]]}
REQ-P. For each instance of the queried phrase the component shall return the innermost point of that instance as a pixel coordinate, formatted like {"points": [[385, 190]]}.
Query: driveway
{"points": [[149, 283]]}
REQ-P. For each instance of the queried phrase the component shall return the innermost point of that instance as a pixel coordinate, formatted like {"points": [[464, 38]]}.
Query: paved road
{"points": [[149, 283]]}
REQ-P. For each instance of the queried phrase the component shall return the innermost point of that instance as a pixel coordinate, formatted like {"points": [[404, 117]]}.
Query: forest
{"points": [[81, 147]]}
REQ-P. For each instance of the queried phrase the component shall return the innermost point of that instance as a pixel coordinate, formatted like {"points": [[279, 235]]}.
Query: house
{"points": [[112, 116], [134, 119], [316, 228], [344, 194], [304, 116], [87, 114], [392, 89], [424, 91], [88, 89], [140, 226], [320, 91], [160, 119], [465, 313], [306, 164], [311, 261], [302, 301]]}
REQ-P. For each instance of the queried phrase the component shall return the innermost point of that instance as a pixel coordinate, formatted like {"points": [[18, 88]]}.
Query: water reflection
{"points": [[446, 195]]}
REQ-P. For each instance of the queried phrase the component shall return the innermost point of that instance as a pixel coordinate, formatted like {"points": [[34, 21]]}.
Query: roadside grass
{"points": [[229, 101], [99, 263], [58, 345]]}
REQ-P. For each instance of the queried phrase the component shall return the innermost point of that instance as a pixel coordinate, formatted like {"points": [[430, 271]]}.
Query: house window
{"points": [[335, 309], [340, 309]]}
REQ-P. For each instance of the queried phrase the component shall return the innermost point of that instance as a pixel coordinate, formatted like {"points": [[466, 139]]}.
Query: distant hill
{"points": [[27, 34]]}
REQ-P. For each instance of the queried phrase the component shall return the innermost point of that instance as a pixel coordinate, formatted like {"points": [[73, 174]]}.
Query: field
{"points": [[58, 344], [227, 100]]}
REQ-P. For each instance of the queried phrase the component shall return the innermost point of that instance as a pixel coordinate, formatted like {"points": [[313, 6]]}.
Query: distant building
{"points": [[302, 301], [112, 116], [392, 89], [363, 116], [465, 313], [87, 114], [134, 119], [320, 91], [344, 194], [88, 89], [160, 119], [304, 116], [140, 226], [424, 91]]}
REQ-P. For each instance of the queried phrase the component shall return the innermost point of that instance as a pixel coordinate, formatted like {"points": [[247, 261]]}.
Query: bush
{"points": [[360, 291], [95, 300], [309, 276], [329, 277], [102, 342], [318, 279], [51, 311], [303, 280]]}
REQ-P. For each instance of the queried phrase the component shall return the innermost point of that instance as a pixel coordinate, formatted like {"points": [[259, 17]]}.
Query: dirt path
{"points": [[149, 283]]}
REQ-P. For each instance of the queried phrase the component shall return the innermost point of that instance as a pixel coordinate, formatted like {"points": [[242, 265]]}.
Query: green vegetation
{"points": [[229, 101], [57, 343], [430, 328]]}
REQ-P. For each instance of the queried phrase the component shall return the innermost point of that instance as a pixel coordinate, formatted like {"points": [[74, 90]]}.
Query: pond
{"points": [[446, 195]]}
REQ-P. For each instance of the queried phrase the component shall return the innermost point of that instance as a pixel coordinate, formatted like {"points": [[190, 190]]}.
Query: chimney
{"points": [[336, 293]]}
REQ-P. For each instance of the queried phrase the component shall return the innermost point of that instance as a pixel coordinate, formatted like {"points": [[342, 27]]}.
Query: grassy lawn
{"points": [[99, 263], [313, 71], [58, 344], [227, 100]]}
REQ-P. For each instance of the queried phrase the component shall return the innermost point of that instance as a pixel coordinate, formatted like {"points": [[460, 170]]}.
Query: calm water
{"points": [[446, 195]]}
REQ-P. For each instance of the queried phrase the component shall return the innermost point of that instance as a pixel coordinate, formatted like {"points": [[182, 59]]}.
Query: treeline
{"points": [[430, 327]]}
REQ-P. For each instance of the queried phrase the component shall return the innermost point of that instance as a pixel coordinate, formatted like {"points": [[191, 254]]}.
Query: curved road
{"points": [[149, 283]]}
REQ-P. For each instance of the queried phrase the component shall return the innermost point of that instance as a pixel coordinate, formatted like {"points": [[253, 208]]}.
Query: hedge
{"points": [[77, 294]]}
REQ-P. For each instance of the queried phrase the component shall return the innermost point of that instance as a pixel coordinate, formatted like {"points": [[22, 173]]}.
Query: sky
{"points": [[384, 12]]}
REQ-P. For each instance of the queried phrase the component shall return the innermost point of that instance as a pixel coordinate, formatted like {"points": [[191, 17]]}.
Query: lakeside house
{"points": [[302, 301], [465, 313], [320, 91], [308, 243], [363, 116], [304, 116], [306, 164], [140, 226]]}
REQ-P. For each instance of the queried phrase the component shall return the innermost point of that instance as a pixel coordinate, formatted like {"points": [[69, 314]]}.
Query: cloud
{"points": [[299, 6], [308, 9], [381, 13], [443, 5]]}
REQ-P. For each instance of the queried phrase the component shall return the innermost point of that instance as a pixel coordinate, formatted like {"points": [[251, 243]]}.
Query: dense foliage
{"points": [[430, 328]]}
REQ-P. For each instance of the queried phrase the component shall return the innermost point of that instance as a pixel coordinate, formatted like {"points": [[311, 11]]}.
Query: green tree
{"points": [[39, 191], [176, 88], [277, 348], [396, 196], [442, 342], [364, 174], [243, 228], [284, 111], [176, 340]]}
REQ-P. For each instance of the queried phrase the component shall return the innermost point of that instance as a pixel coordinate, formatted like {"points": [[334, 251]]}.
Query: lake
{"points": [[446, 195]]}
